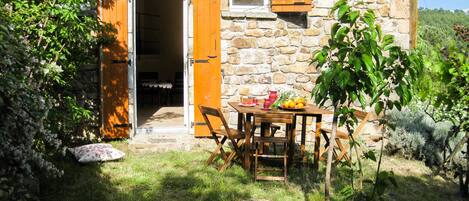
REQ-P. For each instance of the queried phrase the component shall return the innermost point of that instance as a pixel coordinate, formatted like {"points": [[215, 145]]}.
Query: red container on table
{"points": [[273, 96], [267, 103]]}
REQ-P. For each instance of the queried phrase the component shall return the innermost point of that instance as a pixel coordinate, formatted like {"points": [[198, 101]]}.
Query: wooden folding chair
{"points": [[236, 137], [364, 117], [262, 139], [273, 129]]}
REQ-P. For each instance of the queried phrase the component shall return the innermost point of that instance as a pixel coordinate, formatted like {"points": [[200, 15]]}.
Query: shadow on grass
{"points": [[182, 176], [179, 181]]}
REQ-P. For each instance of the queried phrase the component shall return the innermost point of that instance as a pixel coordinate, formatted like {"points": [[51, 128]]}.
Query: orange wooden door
{"points": [[207, 69], [114, 80]]}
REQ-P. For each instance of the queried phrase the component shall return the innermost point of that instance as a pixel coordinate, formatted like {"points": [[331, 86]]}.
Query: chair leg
{"points": [[255, 163], [326, 145], [343, 151], [215, 152], [273, 130], [228, 161], [272, 133], [235, 152], [240, 145], [275, 148], [285, 165]]}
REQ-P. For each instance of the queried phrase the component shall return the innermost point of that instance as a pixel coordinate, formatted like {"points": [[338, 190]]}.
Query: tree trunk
{"points": [[330, 153], [466, 184], [456, 150]]}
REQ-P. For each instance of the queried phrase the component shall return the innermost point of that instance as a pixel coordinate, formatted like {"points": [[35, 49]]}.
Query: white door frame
{"points": [[185, 39], [132, 70], [132, 9]]}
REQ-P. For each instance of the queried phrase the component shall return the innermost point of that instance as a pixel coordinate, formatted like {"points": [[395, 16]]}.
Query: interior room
{"points": [[160, 78]]}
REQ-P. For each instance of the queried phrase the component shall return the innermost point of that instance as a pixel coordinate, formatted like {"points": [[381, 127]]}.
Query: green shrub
{"points": [[43, 106], [417, 136], [64, 35], [23, 110]]}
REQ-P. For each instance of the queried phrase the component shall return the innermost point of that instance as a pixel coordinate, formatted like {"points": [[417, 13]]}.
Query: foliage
{"points": [[445, 84], [442, 18], [42, 106], [362, 62], [445, 81], [436, 26], [63, 36], [23, 109], [417, 136], [462, 32]]}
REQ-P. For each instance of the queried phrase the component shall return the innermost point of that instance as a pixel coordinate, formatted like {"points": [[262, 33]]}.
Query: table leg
{"points": [[291, 149], [303, 138], [240, 121], [317, 143], [247, 142], [265, 132]]}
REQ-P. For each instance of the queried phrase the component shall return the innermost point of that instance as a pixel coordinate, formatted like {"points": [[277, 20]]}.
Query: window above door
{"points": [[249, 5], [270, 5]]}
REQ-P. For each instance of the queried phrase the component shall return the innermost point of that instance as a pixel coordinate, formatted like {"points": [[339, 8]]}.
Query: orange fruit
{"points": [[300, 105], [291, 104]]}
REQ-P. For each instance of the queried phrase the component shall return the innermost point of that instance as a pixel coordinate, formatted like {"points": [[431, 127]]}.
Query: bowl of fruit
{"points": [[297, 103], [290, 101]]}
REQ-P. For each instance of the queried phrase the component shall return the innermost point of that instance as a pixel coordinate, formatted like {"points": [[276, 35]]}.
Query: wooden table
{"points": [[246, 113]]}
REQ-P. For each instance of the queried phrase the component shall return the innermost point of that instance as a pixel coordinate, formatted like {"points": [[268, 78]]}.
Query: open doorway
{"points": [[160, 64]]}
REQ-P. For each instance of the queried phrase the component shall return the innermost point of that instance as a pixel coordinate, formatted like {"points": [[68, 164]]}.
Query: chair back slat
{"points": [[214, 112], [360, 114], [209, 111], [273, 118], [364, 117]]}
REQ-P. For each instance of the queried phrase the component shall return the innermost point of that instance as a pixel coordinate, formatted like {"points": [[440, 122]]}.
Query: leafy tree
{"points": [[43, 43], [23, 109], [462, 32], [362, 65], [435, 27], [444, 87], [63, 35]]}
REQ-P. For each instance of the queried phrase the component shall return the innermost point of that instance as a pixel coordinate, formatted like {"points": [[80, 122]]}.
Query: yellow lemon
{"points": [[300, 105]]}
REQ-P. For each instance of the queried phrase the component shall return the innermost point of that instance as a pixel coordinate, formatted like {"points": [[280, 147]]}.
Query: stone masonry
{"points": [[272, 51]]}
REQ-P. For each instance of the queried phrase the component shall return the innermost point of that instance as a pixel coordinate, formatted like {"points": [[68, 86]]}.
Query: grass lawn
{"points": [[183, 176]]}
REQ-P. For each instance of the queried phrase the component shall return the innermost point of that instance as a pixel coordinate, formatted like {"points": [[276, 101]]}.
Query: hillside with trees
{"points": [[437, 128]]}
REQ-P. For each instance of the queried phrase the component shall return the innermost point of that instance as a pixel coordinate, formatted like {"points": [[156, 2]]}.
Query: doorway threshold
{"points": [[160, 139], [162, 131]]}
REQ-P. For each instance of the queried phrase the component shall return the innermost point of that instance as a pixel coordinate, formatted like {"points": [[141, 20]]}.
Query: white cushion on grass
{"points": [[96, 153]]}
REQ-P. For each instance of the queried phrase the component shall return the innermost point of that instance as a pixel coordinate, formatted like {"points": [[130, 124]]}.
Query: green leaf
{"points": [[380, 32], [320, 57], [338, 4], [344, 79], [379, 107], [353, 16], [368, 62], [362, 100], [398, 105], [334, 28], [344, 9], [388, 40], [370, 155], [353, 96], [341, 33], [357, 64], [369, 18]]}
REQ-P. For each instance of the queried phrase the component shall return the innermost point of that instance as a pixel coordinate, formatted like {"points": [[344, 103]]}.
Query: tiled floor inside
{"points": [[160, 117]]}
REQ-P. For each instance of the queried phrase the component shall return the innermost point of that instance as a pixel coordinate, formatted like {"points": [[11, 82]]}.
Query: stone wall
{"points": [[262, 51]]}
